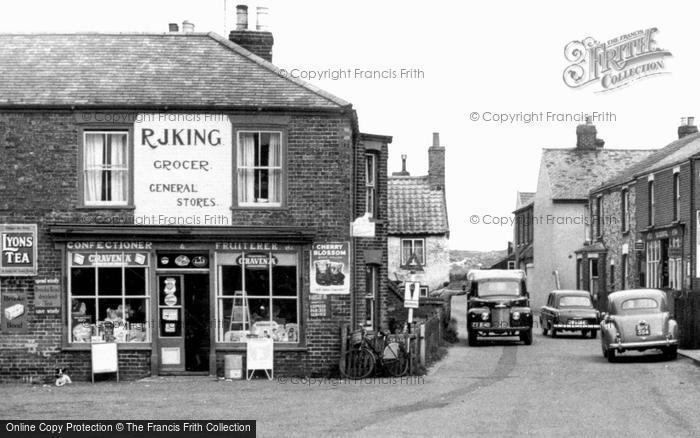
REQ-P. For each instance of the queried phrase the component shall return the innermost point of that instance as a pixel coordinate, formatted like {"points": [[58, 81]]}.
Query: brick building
{"points": [[560, 207], [176, 193], [523, 232], [645, 236], [419, 230]]}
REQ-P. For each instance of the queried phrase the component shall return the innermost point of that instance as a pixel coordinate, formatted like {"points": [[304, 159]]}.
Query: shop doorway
{"points": [[183, 323]]}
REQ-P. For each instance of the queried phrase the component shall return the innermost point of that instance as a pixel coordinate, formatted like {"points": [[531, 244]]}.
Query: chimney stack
{"points": [[436, 164], [587, 136], [173, 27], [187, 26], [687, 127], [259, 41]]}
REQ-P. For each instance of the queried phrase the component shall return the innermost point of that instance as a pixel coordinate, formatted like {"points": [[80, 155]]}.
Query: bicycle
{"points": [[364, 358]]}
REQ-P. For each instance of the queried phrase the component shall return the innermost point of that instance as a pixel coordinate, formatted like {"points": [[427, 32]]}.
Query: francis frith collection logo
{"points": [[614, 63]]}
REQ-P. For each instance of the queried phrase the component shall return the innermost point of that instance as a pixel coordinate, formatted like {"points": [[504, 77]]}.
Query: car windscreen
{"points": [[639, 304], [574, 301], [490, 288]]}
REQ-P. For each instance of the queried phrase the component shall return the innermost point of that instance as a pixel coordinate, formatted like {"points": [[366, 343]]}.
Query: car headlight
{"points": [[484, 316], [516, 315]]}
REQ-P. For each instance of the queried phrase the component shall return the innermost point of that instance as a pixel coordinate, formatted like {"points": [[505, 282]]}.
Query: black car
{"points": [[498, 304]]}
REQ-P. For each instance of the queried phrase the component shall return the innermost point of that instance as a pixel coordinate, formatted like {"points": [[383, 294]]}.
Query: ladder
{"points": [[240, 312]]}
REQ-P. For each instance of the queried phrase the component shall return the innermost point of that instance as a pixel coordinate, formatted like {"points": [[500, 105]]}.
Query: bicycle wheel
{"points": [[395, 359], [359, 363]]}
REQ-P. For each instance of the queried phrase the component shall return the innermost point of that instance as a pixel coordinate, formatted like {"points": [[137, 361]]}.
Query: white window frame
{"points": [[372, 278], [677, 196], [413, 240], [281, 167], [652, 202], [625, 207], [653, 262], [146, 297], [424, 291], [126, 168], [371, 184], [220, 297]]}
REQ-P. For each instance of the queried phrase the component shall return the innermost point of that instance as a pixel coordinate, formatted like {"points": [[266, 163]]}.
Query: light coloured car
{"points": [[638, 320]]}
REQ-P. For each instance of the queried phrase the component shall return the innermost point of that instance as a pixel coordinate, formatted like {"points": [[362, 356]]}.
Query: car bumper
{"points": [[576, 327], [643, 344], [500, 329]]}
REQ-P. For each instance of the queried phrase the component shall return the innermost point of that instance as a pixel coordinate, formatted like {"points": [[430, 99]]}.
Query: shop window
{"points": [[675, 264], [259, 167], [258, 296], [371, 184], [410, 247], [105, 162], [653, 263], [371, 288], [109, 298]]}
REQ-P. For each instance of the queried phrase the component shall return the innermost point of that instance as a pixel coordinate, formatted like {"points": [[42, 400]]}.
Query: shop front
{"points": [[186, 295], [665, 266]]}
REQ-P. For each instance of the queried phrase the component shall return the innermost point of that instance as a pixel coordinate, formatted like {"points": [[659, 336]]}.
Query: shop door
{"points": [[171, 330]]}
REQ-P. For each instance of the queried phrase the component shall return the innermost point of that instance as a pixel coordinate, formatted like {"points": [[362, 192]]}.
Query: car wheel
{"points": [[471, 338], [611, 355], [544, 328], [526, 336], [671, 353], [594, 334], [553, 331], [605, 352]]}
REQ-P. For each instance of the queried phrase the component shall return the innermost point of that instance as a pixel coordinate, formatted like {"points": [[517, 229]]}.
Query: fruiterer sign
{"points": [[18, 250], [411, 294]]}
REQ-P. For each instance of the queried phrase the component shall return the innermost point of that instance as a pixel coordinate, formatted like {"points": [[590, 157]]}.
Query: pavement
{"points": [[556, 387], [691, 354]]}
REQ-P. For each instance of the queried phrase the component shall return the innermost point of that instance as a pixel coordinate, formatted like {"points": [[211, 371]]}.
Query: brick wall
{"points": [[39, 184]]}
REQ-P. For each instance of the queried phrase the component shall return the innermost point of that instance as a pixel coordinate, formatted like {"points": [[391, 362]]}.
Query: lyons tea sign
{"points": [[18, 250]]}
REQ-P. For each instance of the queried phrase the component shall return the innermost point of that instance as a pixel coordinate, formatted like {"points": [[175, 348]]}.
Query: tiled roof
{"points": [[671, 154], [414, 208], [574, 172], [173, 69], [524, 199]]}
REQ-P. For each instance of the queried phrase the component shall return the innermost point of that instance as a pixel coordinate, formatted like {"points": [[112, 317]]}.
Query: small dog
{"points": [[62, 376]]}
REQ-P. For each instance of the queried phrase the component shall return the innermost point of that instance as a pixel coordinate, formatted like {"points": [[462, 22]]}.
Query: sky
{"points": [[503, 57]]}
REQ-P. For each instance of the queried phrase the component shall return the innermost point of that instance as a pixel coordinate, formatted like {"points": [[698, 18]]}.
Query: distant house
{"points": [[507, 261], [418, 230], [560, 207]]}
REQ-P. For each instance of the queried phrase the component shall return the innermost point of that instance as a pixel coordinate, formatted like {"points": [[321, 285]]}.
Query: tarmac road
{"points": [[555, 387]]}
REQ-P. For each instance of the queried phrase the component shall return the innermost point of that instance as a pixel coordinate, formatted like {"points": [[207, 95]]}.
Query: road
{"points": [[555, 387]]}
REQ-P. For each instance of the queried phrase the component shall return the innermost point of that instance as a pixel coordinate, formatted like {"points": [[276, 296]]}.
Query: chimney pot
{"points": [[241, 17], [687, 127], [187, 26], [262, 18], [173, 27], [587, 136], [436, 139]]}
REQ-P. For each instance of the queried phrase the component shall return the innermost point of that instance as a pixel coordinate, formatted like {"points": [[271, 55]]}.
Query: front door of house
{"points": [[183, 323], [171, 330]]}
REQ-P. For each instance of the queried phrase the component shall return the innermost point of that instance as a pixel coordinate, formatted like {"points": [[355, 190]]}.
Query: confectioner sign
{"points": [[18, 250]]}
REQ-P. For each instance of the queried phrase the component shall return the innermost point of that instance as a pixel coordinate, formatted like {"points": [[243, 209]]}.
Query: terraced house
{"points": [[653, 243], [176, 194]]}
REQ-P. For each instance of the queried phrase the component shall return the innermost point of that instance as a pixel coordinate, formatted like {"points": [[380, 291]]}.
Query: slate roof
{"points": [[524, 199], [414, 208], [126, 69], [673, 153], [574, 172]]}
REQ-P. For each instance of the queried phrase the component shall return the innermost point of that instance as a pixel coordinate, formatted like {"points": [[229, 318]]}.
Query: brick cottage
{"points": [[176, 194]]}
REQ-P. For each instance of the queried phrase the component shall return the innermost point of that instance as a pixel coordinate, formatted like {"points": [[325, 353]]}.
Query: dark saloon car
{"points": [[569, 310], [639, 320], [498, 305]]}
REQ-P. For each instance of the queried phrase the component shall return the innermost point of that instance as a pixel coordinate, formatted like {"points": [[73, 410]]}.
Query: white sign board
{"points": [[411, 295], [183, 169], [104, 359], [259, 356], [362, 227]]}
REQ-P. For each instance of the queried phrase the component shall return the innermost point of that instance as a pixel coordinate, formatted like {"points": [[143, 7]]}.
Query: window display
{"points": [[109, 297], [258, 296]]}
